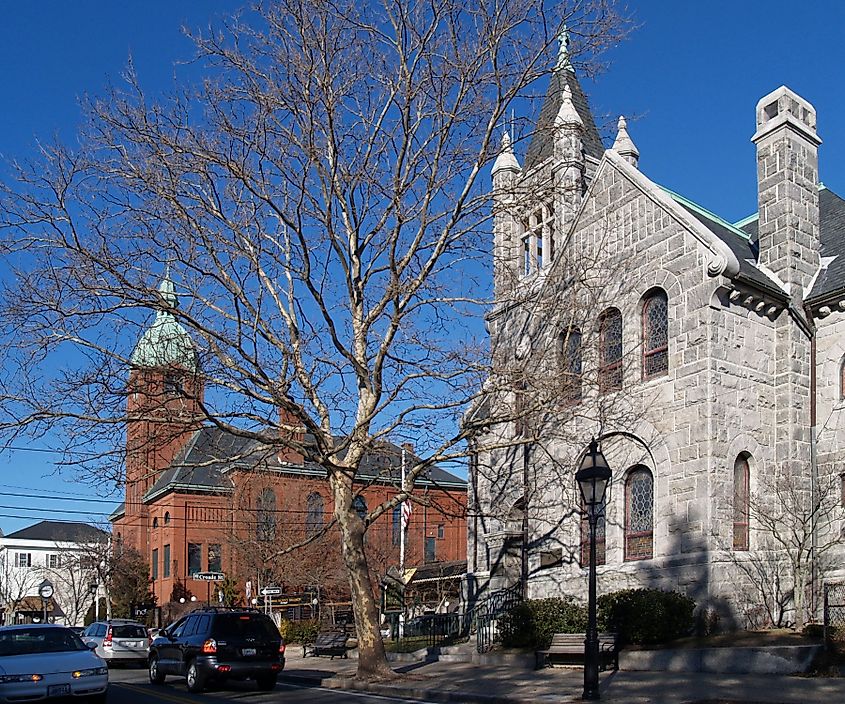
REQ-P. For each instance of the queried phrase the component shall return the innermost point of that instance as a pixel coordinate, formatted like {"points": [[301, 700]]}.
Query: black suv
{"points": [[215, 644]]}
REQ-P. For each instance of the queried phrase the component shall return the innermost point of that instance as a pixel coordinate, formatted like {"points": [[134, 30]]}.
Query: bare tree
{"points": [[75, 578], [794, 534], [16, 583], [321, 201]]}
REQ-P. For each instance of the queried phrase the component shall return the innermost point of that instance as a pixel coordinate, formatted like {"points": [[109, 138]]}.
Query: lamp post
{"points": [[592, 476]]}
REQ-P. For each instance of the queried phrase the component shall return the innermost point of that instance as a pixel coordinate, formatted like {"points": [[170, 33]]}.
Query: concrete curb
{"points": [[409, 691]]}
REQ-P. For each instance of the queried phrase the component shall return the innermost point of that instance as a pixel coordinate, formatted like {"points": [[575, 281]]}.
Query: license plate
{"points": [[58, 690], [248, 651]]}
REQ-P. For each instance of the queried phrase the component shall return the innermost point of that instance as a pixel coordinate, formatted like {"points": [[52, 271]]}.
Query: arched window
{"points": [[396, 525], [360, 506], [610, 351], [601, 552], [655, 334], [313, 514], [742, 495], [155, 522], [569, 350], [166, 517], [639, 514], [266, 515], [842, 379]]}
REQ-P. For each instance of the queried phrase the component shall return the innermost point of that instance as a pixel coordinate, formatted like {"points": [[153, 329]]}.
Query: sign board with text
{"points": [[209, 576], [271, 591]]}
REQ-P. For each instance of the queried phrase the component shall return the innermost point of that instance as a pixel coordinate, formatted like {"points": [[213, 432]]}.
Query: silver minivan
{"points": [[119, 640]]}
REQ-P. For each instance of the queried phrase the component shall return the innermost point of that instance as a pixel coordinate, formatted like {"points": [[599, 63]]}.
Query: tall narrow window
{"points": [[655, 334], [526, 255], [610, 351], [570, 359], [742, 495], [430, 550], [194, 558], [601, 552], [266, 515], [165, 562], [842, 380], [538, 239], [396, 525], [639, 514], [215, 557], [360, 507], [314, 508], [154, 564]]}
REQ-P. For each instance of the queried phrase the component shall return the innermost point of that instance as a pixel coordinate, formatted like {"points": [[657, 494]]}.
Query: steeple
{"points": [[165, 343], [563, 76], [623, 145]]}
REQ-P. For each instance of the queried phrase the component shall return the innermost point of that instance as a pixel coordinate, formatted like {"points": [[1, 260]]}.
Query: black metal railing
{"points": [[433, 629], [834, 608], [486, 614]]}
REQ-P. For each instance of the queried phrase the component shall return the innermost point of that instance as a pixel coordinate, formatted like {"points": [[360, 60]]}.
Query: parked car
{"points": [[46, 661], [119, 640], [79, 630], [215, 644]]}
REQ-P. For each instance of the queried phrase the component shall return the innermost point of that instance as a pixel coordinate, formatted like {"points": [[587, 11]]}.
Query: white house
{"points": [[65, 554]]}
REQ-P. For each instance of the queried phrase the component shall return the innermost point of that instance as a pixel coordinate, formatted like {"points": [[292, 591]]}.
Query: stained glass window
{"points": [[570, 353], [655, 334], [639, 514], [610, 351], [742, 475]]}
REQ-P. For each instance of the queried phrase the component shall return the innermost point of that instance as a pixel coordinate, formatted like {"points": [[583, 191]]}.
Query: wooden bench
{"points": [[327, 643], [570, 647]]}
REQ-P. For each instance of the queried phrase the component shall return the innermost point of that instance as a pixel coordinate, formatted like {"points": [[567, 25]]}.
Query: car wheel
{"points": [[194, 679], [156, 675], [266, 682]]}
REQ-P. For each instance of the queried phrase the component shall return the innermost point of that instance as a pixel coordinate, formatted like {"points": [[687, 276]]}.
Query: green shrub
{"points": [[299, 631], [532, 623], [646, 615]]}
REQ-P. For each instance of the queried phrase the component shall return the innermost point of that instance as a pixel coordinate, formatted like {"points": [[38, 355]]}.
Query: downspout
{"points": [[814, 466]]}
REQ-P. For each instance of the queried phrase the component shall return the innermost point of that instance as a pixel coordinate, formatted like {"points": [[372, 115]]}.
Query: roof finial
{"points": [[506, 159], [623, 145], [563, 61], [167, 289], [567, 114]]}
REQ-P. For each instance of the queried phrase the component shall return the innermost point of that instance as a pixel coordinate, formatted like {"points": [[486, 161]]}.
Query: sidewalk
{"points": [[466, 683]]}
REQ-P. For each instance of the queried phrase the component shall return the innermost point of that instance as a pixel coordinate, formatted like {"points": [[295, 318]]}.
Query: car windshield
{"points": [[245, 626], [25, 641], [128, 631]]}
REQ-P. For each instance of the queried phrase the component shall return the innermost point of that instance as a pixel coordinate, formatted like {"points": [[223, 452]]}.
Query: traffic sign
{"points": [[209, 576], [271, 591]]}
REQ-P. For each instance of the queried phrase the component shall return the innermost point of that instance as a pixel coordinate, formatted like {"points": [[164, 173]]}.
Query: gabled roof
{"points": [[59, 532], [832, 235], [204, 464], [541, 146]]}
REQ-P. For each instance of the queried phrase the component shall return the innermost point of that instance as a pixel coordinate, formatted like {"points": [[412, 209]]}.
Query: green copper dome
{"points": [[165, 342]]}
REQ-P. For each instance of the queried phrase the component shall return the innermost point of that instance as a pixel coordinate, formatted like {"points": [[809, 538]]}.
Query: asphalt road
{"points": [[132, 686]]}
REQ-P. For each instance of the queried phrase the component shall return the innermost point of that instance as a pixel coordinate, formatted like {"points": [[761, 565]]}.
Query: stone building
{"points": [[201, 500], [716, 347]]}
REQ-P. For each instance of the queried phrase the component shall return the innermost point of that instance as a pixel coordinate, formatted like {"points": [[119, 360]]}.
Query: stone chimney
{"points": [[787, 187]]}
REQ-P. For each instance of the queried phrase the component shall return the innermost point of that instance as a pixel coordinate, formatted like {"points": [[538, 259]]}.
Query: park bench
{"points": [[569, 648], [327, 643]]}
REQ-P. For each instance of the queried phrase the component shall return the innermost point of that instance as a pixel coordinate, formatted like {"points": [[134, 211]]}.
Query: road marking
{"points": [[160, 694], [351, 693]]}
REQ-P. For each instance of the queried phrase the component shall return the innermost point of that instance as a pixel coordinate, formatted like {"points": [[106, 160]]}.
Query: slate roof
{"points": [[59, 532], [204, 463], [541, 146], [832, 235]]}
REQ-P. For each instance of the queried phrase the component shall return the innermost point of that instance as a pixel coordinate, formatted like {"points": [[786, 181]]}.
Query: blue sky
{"points": [[689, 76]]}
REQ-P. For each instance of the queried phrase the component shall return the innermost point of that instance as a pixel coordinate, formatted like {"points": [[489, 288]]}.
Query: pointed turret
{"points": [[623, 145], [506, 161], [541, 146], [567, 115]]}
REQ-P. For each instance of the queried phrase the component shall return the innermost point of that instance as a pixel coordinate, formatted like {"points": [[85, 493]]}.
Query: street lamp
{"points": [[592, 476]]}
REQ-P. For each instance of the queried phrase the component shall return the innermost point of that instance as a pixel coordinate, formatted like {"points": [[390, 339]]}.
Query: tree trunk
{"points": [[799, 586], [372, 662]]}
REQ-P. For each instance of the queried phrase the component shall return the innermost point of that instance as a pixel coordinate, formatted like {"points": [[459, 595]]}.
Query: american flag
{"points": [[406, 514]]}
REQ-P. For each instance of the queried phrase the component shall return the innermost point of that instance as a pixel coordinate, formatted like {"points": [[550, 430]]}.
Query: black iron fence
{"points": [[433, 629], [834, 608], [486, 614]]}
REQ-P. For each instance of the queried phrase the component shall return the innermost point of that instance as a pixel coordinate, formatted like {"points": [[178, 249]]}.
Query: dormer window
{"points": [[538, 239]]}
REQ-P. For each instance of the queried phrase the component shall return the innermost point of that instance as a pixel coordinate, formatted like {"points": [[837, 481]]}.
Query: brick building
{"points": [[717, 346], [200, 499]]}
